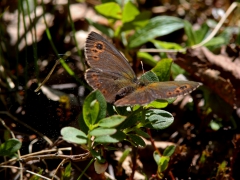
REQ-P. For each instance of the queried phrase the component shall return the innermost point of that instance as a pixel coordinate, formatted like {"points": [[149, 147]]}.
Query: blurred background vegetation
{"points": [[201, 37]]}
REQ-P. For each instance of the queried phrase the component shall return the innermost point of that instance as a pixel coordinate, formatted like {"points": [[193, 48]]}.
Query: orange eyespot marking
{"points": [[94, 77], [95, 58], [177, 91], [99, 46], [104, 91], [94, 50], [93, 74], [98, 85], [169, 93]]}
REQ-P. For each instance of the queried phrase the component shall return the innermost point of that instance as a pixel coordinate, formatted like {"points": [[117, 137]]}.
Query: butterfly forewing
{"points": [[157, 90], [109, 71], [103, 55]]}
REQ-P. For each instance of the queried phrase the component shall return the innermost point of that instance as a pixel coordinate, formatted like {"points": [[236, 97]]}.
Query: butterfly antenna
{"points": [[142, 66]]}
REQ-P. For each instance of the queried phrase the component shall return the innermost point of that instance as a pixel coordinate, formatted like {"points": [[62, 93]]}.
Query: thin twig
{"points": [[62, 162], [48, 76], [75, 158], [36, 153], [3, 123], [30, 146], [152, 141]]}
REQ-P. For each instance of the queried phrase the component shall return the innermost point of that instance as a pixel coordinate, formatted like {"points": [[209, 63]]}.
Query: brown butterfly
{"points": [[111, 73]]}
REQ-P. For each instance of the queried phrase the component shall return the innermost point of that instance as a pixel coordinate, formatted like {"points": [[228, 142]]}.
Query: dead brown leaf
{"points": [[220, 73]]}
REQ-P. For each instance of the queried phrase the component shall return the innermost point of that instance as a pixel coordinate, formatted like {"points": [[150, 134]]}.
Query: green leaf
{"points": [[82, 124], [111, 121], [169, 150], [146, 58], [131, 119], [122, 110], [157, 26], [156, 157], [140, 21], [222, 168], [190, 33], [9, 147], [166, 45], [124, 155], [216, 41], [98, 156], [117, 137], [171, 100], [163, 163], [137, 140], [201, 33], [163, 69], [66, 174], [109, 10], [130, 11], [105, 30], [142, 133], [149, 76], [73, 135], [102, 131], [157, 104], [136, 107], [94, 108], [159, 119], [214, 125], [106, 139]]}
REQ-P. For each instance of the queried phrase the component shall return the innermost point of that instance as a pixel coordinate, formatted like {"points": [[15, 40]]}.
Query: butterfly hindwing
{"points": [[107, 82]]}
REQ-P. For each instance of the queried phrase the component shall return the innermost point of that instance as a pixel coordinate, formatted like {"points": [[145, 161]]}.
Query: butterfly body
{"points": [[111, 73]]}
